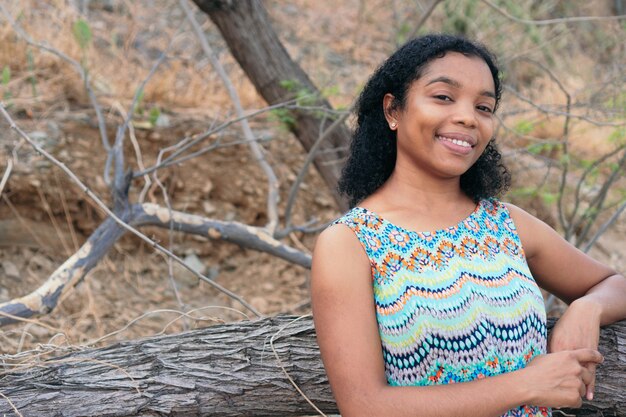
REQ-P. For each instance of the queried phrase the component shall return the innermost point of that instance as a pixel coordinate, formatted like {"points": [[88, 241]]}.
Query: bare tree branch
{"points": [[6, 175], [424, 17], [171, 159], [551, 21], [44, 299], [598, 202], [250, 237], [558, 112], [117, 152], [588, 170], [278, 78], [309, 160], [272, 182], [604, 227], [117, 219]]}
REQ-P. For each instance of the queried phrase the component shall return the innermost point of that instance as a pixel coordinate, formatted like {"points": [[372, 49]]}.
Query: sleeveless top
{"points": [[456, 304]]}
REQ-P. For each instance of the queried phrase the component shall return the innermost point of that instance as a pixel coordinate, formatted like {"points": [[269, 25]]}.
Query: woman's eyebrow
{"points": [[446, 80], [456, 84]]}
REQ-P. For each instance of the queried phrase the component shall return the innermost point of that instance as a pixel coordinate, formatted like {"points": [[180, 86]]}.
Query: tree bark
{"points": [[246, 28], [225, 370]]}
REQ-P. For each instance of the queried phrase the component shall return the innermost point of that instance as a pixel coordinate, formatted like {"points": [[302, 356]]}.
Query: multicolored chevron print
{"points": [[456, 304]]}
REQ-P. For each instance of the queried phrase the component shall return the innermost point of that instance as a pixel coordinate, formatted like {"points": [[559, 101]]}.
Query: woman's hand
{"points": [[578, 328], [561, 379]]}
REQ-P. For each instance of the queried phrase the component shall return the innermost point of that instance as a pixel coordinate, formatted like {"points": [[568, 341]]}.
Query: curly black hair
{"points": [[373, 150]]}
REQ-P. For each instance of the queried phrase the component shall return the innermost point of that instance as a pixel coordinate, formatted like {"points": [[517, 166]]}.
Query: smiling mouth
{"points": [[458, 142]]}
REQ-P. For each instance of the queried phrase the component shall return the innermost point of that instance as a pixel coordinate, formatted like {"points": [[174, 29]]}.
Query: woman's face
{"points": [[447, 120]]}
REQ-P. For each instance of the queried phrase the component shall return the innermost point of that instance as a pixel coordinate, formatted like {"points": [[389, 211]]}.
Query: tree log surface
{"points": [[225, 370]]}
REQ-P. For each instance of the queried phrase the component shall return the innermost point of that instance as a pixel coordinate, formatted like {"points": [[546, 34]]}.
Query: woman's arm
{"points": [[347, 332], [568, 273], [596, 294]]}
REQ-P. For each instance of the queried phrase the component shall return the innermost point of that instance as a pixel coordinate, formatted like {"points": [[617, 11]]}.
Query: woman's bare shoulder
{"points": [[338, 253]]}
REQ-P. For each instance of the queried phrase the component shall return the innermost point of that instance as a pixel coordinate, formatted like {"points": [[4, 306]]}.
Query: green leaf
{"points": [[548, 198], [524, 127], [330, 91], [617, 136], [6, 75], [138, 105], [155, 112], [82, 33], [284, 116], [586, 163], [537, 148], [524, 192], [289, 85], [305, 98]]}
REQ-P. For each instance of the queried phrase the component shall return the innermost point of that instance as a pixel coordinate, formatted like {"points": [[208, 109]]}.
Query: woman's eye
{"points": [[485, 109], [443, 97]]}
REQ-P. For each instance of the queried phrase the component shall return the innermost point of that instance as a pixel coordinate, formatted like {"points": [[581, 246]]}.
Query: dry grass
{"points": [[338, 44]]}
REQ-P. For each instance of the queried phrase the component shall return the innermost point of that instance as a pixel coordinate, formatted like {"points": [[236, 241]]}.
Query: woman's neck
{"points": [[403, 190]]}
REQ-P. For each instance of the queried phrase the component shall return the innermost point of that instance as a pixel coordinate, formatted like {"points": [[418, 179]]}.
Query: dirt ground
{"points": [[44, 218]]}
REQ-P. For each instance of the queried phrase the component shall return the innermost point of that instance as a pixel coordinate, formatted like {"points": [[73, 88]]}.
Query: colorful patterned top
{"points": [[456, 304]]}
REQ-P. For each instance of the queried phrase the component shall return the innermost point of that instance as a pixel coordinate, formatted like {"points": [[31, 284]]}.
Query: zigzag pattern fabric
{"points": [[456, 304]]}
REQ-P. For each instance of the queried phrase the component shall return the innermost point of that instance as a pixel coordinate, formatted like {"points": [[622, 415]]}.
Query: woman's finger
{"points": [[591, 386], [586, 376]]}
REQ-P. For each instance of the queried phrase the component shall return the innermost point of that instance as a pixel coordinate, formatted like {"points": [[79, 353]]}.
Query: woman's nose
{"points": [[465, 115]]}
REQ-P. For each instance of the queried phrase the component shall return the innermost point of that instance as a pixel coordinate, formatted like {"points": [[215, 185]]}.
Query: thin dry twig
{"points": [[171, 159], [581, 181], [274, 336], [424, 17], [559, 112], [33, 321], [116, 154], [309, 159], [31, 364], [23, 222], [66, 210], [187, 314], [119, 221], [53, 220], [604, 227], [551, 21], [7, 174], [273, 195], [11, 404], [170, 233], [77, 66]]}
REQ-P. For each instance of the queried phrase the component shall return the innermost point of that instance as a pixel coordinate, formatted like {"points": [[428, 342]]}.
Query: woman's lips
{"points": [[461, 144]]}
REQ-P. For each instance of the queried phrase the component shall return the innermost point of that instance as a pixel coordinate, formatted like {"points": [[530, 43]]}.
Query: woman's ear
{"points": [[390, 110]]}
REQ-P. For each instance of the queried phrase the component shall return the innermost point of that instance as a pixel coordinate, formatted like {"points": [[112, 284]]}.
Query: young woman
{"points": [[425, 295]]}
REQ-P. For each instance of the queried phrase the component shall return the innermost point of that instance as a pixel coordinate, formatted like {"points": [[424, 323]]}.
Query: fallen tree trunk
{"points": [[227, 370]]}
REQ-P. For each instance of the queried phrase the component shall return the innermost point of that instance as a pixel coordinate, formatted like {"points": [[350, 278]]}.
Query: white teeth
{"points": [[456, 141]]}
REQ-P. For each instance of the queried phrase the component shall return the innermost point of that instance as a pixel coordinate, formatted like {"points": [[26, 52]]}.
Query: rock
{"points": [[43, 139], [208, 187], [42, 262], [10, 270], [323, 201], [163, 121], [184, 276], [208, 207], [4, 295]]}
